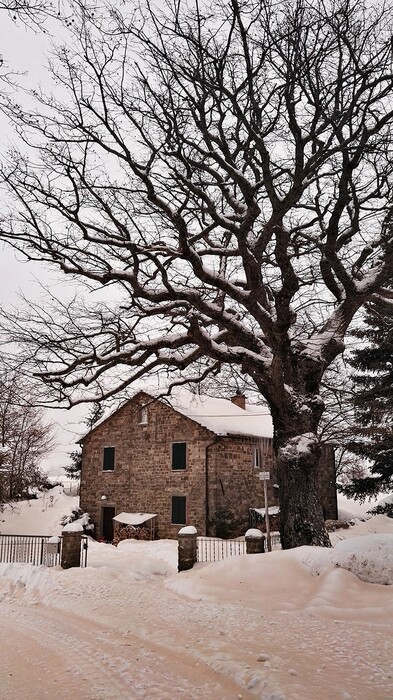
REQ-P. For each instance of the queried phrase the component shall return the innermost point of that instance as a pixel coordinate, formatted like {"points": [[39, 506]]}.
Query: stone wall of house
{"points": [[235, 482], [143, 479]]}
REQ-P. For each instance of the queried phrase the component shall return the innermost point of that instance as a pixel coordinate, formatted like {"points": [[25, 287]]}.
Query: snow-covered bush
{"points": [[384, 507], [369, 557], [225, 523], [78, 516], [332, 525]]}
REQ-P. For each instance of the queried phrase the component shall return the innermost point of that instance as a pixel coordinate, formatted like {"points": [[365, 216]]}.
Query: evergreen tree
{"points": [[73, 469], [374, 401]]}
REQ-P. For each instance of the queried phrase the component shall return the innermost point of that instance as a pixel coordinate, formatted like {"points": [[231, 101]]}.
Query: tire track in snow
{"points": [[55, 654]]}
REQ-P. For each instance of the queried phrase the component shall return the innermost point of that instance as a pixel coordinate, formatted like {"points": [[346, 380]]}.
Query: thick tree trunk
{"points": [[301, 515], [296, 409]]}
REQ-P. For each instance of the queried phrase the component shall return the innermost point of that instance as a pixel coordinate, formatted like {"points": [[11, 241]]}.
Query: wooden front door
{"points": [[108, 513]]}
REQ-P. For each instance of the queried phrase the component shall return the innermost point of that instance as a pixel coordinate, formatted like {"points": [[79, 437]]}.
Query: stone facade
{"points": [[220, 470]]}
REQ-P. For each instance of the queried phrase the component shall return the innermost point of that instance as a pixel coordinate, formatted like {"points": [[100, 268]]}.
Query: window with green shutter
{"points": [[179, 510], [179, 456], [109, 459]]}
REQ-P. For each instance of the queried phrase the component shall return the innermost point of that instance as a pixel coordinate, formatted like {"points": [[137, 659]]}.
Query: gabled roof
{"points": [[220, 416]]}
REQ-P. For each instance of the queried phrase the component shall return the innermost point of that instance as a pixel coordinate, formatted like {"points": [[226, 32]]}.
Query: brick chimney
{"points": [[239, 400]]}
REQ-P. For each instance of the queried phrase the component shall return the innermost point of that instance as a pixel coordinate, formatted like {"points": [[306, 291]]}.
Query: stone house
{"points": [[183, 458]]}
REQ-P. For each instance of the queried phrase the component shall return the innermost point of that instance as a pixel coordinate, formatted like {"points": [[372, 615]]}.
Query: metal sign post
{"points": [[265, 476]]}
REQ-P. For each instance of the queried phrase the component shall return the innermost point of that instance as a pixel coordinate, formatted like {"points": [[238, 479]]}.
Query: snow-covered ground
{"points": [[295, 625], [41, 516], [348, 508]]}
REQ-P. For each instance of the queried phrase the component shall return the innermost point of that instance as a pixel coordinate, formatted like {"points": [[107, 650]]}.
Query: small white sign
{"points": [[264, 476]]}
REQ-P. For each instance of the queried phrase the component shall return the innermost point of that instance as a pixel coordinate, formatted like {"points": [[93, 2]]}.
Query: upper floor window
{"points": [[179, 456], [142, 414], [109, 459], [257, 458]]}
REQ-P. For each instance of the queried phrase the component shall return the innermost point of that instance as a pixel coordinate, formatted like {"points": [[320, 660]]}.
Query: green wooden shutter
{"points": [[178, 510], [109, 459], [179, 455]]}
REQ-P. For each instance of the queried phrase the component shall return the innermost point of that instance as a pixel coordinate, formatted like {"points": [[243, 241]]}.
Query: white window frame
{"points": [[257, 457], [142, 414]]}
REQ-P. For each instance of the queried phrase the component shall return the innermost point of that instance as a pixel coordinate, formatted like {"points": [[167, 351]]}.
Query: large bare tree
{"points": [[224, 176]]}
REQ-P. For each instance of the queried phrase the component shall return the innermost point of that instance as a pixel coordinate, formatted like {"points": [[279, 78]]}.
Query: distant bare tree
{"points": [[25, 438], [224, 177]]}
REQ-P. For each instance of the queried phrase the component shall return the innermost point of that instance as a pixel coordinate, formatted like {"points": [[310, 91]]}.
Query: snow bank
{"points": [[369, 557], [303, 580], [286, 579], [348, 506], [387, 499], [378, 524], [38, 516], [109, 568]]}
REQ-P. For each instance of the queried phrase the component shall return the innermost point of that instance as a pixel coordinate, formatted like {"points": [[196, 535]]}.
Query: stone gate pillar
{"points": [[187, 547], [255, 541], [72, 542]]}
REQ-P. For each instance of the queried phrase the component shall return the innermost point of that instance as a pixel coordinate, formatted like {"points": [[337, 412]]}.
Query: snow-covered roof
{"points": [[134, 518], [221, 416], [272, 510]]}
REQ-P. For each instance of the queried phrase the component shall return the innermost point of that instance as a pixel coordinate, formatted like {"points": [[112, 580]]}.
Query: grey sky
{"points": [[25, 51]]}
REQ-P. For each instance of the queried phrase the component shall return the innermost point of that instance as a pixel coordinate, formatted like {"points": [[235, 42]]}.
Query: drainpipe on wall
{"points": [[207, 513]]}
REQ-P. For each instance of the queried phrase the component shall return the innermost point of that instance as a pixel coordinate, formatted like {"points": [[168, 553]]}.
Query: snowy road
{"points": [[50, 653], [129, 627], [102, 635]]}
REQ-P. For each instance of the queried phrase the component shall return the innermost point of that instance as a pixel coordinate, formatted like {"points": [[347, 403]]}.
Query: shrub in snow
{"points": [[369, 557], [383, 508], [77, 515], [225, 523], [332, 525], [47, 485]]}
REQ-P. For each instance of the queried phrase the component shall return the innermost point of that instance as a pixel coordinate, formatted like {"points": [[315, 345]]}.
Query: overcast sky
{"points": [[25, 51]]}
